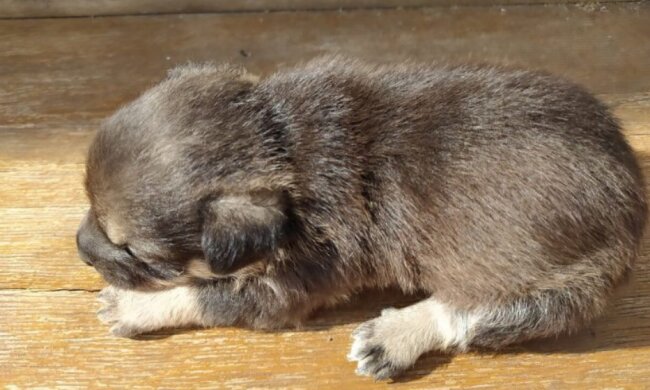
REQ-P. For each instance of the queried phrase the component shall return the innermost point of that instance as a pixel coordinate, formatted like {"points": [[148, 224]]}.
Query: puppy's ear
{"points": [[241, 229]]}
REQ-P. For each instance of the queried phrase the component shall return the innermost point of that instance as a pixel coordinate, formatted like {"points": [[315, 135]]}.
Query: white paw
{"points": [[375, 348], [131, 313], [391, 343], [115, 311]]}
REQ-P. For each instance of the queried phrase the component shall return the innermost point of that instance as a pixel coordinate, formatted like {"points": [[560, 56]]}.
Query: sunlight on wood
{"points": [[59, 77]]}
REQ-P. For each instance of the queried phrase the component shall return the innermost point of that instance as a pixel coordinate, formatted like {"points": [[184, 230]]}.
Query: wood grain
{"points": [[58, 78], [62, 8], [54, 339], [67, 71]]}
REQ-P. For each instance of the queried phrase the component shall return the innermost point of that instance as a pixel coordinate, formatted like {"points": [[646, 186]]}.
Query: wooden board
{"points": [[58, 78], [67, 71], [63, 8], [53, 339]]}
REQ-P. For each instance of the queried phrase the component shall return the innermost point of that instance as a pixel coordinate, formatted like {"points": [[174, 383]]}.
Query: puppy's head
{"points": [[180, 185]]}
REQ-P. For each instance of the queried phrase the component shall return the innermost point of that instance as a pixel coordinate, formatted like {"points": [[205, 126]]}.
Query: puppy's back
{"points": [[473, 182]]}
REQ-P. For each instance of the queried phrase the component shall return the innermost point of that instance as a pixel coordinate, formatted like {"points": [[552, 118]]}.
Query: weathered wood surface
{"points": [[63, 8], [53, 338], [58, 78], [67, 71]]}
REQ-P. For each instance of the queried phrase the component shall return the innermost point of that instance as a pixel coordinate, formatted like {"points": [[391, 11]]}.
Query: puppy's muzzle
{"points": [[117, 265]]}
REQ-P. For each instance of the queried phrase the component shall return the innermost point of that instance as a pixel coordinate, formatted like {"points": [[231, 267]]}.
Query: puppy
{"points": [[509, 197]]}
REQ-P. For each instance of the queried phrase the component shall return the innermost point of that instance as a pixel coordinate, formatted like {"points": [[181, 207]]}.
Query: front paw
{"points": [[116, 311], [131, 313]]}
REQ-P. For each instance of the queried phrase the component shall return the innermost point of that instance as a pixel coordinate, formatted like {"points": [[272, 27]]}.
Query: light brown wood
{"points": [[61, 8], [58, 78], [63, 72], [53, 338]]}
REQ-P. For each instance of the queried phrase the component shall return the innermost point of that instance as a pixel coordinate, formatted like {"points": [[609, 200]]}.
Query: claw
{"points": [[123, 331], [106, 316], [369, 351], [106, 295]]}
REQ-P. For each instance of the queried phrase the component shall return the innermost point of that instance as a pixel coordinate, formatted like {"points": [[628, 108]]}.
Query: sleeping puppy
{"points": [[509, 197]]}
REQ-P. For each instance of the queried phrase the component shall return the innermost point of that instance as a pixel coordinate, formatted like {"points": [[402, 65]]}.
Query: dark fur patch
{"points": [[239, 232]]}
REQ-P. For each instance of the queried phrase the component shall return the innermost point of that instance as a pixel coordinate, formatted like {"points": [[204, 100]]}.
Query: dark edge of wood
{"points": [[42, 9]]}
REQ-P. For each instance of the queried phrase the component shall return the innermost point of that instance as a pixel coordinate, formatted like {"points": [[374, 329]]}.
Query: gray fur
{"points": [[503, 192]]}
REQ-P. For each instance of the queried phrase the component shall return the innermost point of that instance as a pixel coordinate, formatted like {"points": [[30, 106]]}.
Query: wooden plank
{"points": [[42, 201], [44, 165], [67, 8], [53, 339], [38, 249], [58, 71], [68, 143]]}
